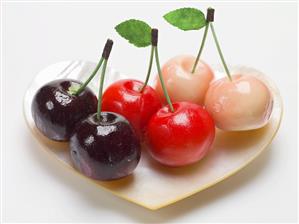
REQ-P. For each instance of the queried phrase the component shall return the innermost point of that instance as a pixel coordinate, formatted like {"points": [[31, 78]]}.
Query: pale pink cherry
{"points": [[245, 103], [181, 84]]}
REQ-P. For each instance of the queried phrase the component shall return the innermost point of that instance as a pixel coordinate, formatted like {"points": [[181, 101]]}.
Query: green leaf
{"points": [[136, 32], [186, 18]]}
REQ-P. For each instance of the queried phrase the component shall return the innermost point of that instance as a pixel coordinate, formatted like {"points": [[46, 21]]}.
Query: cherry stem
{"points": [[105, 56], [82, 87], [101, 90], [155, 44], [162, 81], [201, 47], [220, 52], [209, 18], [149, 69]]}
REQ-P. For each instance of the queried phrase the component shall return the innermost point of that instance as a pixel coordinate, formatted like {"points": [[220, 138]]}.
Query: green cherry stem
{"points": [[220, 52], [149, 69], [201, 47], [105, 56], [82, 87], [209, 18], [162, 81], [101, 90], [154, 44]]}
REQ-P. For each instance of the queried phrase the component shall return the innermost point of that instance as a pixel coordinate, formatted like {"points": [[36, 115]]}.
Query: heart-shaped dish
{"points": [[153, 185]]}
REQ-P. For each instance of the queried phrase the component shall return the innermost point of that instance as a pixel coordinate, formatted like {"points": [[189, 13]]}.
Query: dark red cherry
{"points": [[105, 149], [56, 110]]}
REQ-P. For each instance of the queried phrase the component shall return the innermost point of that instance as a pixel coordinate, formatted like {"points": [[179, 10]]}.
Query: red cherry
{"points": [[181, 137], [124, 97]]}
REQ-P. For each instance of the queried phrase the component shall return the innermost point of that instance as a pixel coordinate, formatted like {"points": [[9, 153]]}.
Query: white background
{"points": [[37, 188]]}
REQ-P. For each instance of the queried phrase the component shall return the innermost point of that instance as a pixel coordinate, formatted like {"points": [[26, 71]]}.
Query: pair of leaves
{"points": [[138, 32]]}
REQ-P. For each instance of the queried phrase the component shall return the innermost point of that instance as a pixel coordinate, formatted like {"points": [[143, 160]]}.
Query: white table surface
{"points": [[37, 188]]}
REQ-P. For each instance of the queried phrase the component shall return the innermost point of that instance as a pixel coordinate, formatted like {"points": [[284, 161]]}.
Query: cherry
{"points": [[181, 133], [181, 137], [245, 103], [239, 102], [56, 110], [59, 105], [135, 100], [181, 83], [124, 97], [104, 146]]}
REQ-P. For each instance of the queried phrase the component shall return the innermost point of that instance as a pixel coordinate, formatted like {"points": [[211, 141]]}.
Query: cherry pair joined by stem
{"points": [[237, 103], [104, 146], [181, 133], [134, 99]]}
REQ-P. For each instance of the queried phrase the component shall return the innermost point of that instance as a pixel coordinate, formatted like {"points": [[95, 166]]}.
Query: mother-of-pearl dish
{"points": [[153, 185]]}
